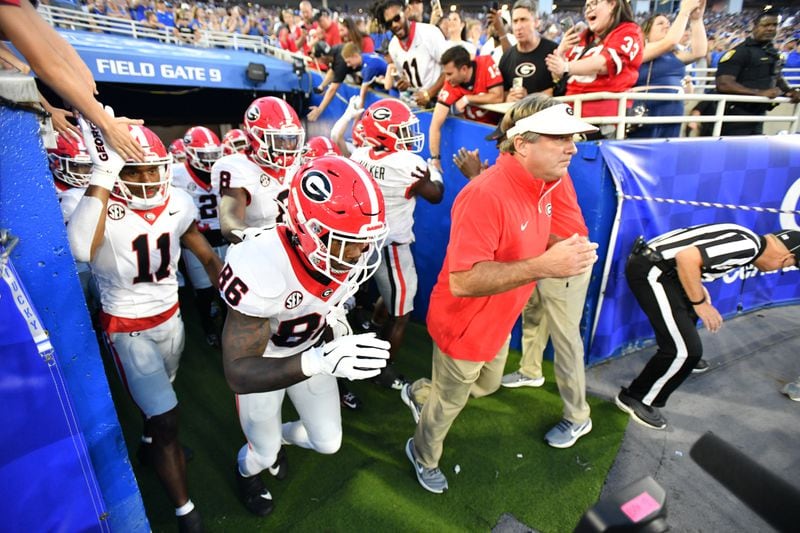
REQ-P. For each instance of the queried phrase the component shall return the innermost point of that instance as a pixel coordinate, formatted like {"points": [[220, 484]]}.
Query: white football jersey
{"points": [[267, 277], [68, 200], [136, 263], [264, 189], [419, 60], [205, 196], [392, 171]]}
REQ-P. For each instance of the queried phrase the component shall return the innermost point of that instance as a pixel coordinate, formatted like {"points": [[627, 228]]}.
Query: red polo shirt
{"points": [[567, 216], [502, 215]]}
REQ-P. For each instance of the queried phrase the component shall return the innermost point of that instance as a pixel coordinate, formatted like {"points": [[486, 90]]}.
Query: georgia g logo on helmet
{"points": [[316, 186], [382, 113], [253, 112]]}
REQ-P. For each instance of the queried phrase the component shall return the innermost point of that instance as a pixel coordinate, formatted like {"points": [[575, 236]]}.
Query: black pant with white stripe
{"points": [[662, 298]]}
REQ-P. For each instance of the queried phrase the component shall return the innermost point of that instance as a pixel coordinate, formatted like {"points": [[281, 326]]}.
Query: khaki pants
{"points": [[554, 310], [446, 394]]}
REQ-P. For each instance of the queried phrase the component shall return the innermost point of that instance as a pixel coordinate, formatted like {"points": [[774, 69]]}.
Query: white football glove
{"points": [[249, 233], [106, 163], [337, 320], [352, 357]]}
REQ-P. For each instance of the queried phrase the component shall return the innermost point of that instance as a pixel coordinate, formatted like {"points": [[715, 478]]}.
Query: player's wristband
{"points": [[436, 157], [702, 301], [103, 179]]}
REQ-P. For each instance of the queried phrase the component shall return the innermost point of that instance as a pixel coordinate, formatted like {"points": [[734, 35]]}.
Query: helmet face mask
{"points": [[202, 148], [274, 131], [70, 162], [390, 125], [336, 210], [145, 185]]}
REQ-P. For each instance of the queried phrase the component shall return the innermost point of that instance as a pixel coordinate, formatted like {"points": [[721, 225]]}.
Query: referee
{"points": [[666, 275]]}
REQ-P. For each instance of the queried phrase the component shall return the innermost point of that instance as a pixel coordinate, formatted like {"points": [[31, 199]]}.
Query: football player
{"points": [[178, 151], [71, 166], [251, 183], [130, 225], [283, 287], [415, 50], [234, 142], [202, 149], [392, 133]]}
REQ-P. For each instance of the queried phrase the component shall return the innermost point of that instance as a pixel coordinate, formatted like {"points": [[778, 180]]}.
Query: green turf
{"points": [[369, 485]]}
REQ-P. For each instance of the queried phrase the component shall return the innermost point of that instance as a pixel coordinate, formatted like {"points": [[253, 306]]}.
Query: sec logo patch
{"points": [[116, 212], [293, 300]]}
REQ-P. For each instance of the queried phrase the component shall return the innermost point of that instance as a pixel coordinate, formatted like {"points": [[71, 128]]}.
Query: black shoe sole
{"points": [[624, 407]]}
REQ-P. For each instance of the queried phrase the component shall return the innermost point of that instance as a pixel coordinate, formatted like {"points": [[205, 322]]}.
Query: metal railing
{"points": [[621, 120], [704, 79], [72, 19]]}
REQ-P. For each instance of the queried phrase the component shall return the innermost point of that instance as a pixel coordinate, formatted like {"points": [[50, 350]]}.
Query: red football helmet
{"points": [[145, 185], [391, 125], [359, 139], [333, 203], [178, 150], [69, 161], [234, 142], [319, 146], [202, 148], [275, 134]]}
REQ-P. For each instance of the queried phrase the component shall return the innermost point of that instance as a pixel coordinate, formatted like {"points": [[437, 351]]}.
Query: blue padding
{"points": [[127, 60], [29, 209]]}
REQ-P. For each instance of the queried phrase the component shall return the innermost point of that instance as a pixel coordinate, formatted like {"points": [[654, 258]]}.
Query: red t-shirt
{"points": [[332, 35], [367, 45], [485, 75], [567, 218], [10, 2], [502, 215], [622, 49]]}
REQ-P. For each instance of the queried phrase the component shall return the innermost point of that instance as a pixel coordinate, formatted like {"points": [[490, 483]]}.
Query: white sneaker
{"points": [[518, 379], [566, 433]]}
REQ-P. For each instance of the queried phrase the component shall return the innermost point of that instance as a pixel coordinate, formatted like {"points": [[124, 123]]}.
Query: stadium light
{"points": [[257, 72]]}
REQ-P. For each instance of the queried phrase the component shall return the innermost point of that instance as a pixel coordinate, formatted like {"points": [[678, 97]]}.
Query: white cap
{"points": [[555, 120]]}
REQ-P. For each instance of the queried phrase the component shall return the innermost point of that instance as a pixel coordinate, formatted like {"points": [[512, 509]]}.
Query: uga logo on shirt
{"points": [[525, 70], [316, 186], [548, 209], [293, 300]]}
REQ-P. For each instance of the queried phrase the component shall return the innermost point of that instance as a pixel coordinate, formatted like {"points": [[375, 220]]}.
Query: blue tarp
{"points": [[127, 60]]}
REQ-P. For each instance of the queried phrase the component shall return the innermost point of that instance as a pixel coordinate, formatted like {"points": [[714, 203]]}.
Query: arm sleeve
{"points": [[448, 95], [624, 45], [732, 62]]}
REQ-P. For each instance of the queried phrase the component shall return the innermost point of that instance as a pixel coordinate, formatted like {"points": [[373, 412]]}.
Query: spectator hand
{"points": [[570, 38], [494, 20], [436, 163], [516, 93], [61, 124], [469, 162], [569, 257], [794, 94], [422, 98], [774, 92], [313, 113], [318, 89], [106, 163], [352, 357], [402, 84], [556, 64]]}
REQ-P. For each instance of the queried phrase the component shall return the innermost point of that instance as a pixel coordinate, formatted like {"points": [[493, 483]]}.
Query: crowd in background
{"points": [[724, 30]]}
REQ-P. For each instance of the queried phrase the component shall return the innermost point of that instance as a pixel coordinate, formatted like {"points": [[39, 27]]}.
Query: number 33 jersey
{"points": [[136, 263], [266, 277]]}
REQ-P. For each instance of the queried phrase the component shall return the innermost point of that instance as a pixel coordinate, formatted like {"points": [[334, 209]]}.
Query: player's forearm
{"points": [[231, 217], [432, 191], [248, 375]]}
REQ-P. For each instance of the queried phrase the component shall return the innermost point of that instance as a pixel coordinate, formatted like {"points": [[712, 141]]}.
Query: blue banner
{"points": [[128, 60], [664, 185], [48, 483]]}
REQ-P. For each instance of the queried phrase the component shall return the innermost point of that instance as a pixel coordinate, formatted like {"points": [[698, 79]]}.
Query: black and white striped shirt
{"points": [[723, 247]]}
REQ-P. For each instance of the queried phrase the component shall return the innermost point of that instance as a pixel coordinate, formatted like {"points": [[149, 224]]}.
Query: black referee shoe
{"points": [[701, 366], [641, 413]]}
